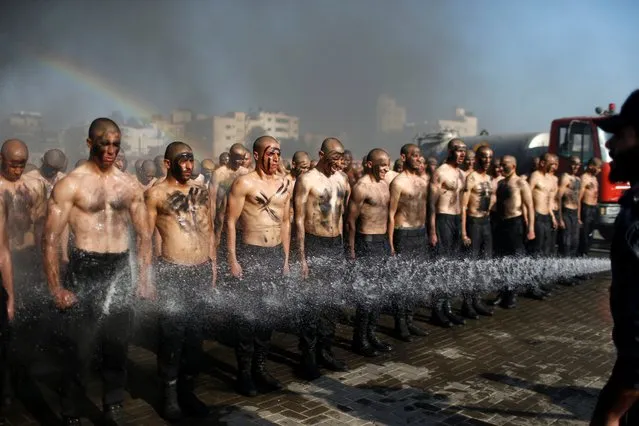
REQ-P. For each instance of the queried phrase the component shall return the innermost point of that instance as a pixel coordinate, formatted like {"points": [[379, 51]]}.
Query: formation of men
{"points": [[194, 223]]}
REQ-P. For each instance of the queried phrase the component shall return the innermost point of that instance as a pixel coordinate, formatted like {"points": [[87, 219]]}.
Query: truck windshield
{"points": [[603, 138]]}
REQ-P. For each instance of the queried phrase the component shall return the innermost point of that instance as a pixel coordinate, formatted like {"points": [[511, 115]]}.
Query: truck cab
{"points": [[581, 137]]}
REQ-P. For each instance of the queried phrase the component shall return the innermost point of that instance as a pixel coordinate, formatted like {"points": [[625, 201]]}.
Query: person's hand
{"points": [[351, 254], [466, 241], [304, 270], [286, 269], [10, 309], [531, 235], [562, 224], [214, 277], [64, 299], [433, 240], [146, 292], [580, 222], [236, 270], [392, 252], [554, 223]]}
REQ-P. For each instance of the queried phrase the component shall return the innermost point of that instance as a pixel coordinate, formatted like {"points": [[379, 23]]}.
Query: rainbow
{"points": [[68, 68]]}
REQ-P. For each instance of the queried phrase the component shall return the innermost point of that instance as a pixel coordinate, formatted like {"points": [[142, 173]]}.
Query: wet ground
{"points": [[541, 363]]}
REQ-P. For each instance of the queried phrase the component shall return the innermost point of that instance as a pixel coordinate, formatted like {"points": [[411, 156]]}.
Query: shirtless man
{"points": [[260, 201], [221, 183], [98, 201], [398, 167], [368, 241], [495, 170], [224, 159], [23, 208], [476, 233], [320, 197], [7, 305], [588, 198], [513, 197], [182, 211], [544, 187], [421, 172], [138, 166], [390, 175], [147, 174], [349, 169], [469, 162], [445, 222], [160, 167], [120, 162], [407, 227], [248, 162], [196, 174], [431, 166], [568, 199]]}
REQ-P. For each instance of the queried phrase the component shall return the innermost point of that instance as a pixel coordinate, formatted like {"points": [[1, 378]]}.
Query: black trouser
{"points": [[181, 292], [554, 235], [410, 244], [589, 220], [494, 227], [5, 336], [481, 238], [543, 243], [569, 236], [101, 318], [254, 328], [319, 322], [448, 245], [371, 248], [511, 236]]}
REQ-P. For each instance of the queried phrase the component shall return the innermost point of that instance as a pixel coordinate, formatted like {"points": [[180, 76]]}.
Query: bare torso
{"points": [[25, 202], [481, 192], [509, 201], [411, 206], [99, 217], [449, 181], [390, 176], [570, 185], [263, 211], [48, 183], [183, 221], [554, 187], [591, 189], [542, 186], [325, 204], [373, 217]]}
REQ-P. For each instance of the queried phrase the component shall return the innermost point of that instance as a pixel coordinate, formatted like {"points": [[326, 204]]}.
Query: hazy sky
{"points": [[515, 64]]}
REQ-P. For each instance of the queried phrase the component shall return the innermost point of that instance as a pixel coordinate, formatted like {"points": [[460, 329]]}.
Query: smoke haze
{"points": [[325, 61]]}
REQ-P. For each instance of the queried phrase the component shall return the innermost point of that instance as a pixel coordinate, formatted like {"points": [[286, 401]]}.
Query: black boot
{"points": [[481, 308], [536, 294], [401, 328], [309, 369], [190, 404], [260, 375], [326, 357], [448, 310], [372, 337], [244, 384], [468, 310], [170, 407], [413, 329], [438, 316], [361, 345], [71, 421], [114, 414], [509, 300]]}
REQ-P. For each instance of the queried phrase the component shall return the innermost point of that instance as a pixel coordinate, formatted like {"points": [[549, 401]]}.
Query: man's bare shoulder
{"points": [[521, 182]]}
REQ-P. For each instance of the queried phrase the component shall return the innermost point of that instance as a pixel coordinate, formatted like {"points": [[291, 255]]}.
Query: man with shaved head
{"points": [[477, 201], [445, 222], [208, 167], [513, 200], [98, 202], [398, 167], [348, 168], [568, 198], [196, 173], [469, 162], [407, 227], [588, 199], [301, 164], [368, 242], [23, 206], [160, 167], [121, 162], [181, 210], [138, 166], [260, 202], [320, 197], [147, 174], [224, 159], [221, 183]]}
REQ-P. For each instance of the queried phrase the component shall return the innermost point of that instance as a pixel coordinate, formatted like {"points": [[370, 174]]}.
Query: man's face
{"points": [[13, 167], [458, 154], [334, 159], [624, 151], [422, 166], [48, 171], [551, 165], [120, 162], [575, 166], [224, 159], [412, 161], [594, 169], [236, 159], [380, 167], [485, 159], [432, 166], [147, 176], [247, 160], [302, 166], [269, 159], [348, 161], [181, 166], [508, 167], [497, 168], [469, 160], [105, 148]]}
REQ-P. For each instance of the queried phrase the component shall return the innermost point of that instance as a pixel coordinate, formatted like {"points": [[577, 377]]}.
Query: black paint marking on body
{"points": [[485, 192], [265, 202]]}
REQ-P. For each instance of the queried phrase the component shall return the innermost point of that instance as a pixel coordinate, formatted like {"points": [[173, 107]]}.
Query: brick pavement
{"points": [[542, 363]]}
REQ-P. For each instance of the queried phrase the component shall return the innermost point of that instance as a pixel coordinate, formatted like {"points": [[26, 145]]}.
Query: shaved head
{"points": [[595, 162], [208, 164], [332, 144], [300, 156], [260, 143], [14, 148], [509, 158], [138, 164], [237, 149], [455, 144], [100, 126], [407, 148], [376, 155], [147, 166], [55, 159], [174, 149]]}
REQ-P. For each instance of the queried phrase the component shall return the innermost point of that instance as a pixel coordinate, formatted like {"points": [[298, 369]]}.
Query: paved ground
{"points": [[542, 363]]}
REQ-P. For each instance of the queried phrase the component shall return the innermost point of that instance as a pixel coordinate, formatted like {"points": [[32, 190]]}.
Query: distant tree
{"points": [[484, 132]]}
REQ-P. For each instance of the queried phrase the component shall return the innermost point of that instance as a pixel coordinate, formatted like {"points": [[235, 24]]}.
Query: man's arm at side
{"points": [[212, 241], [395, 194], [286, 232], [300, 197], [468, 187], [235, 205], [564, 183], [527, 200], [354, 209], [582, 192], [143, 232], [433, 199], [6, 266]]}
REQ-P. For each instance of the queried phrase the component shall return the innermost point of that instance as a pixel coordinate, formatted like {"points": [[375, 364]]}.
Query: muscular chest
{"points": [[378, 196], [271, 199], [483, 189], [328, 197], [102, 199], [19, 199], [414, 192], [194, 200], [453, 184]]}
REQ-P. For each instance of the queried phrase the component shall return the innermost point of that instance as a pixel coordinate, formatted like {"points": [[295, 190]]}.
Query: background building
{"points": [[390, 116], [465, 124]]}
